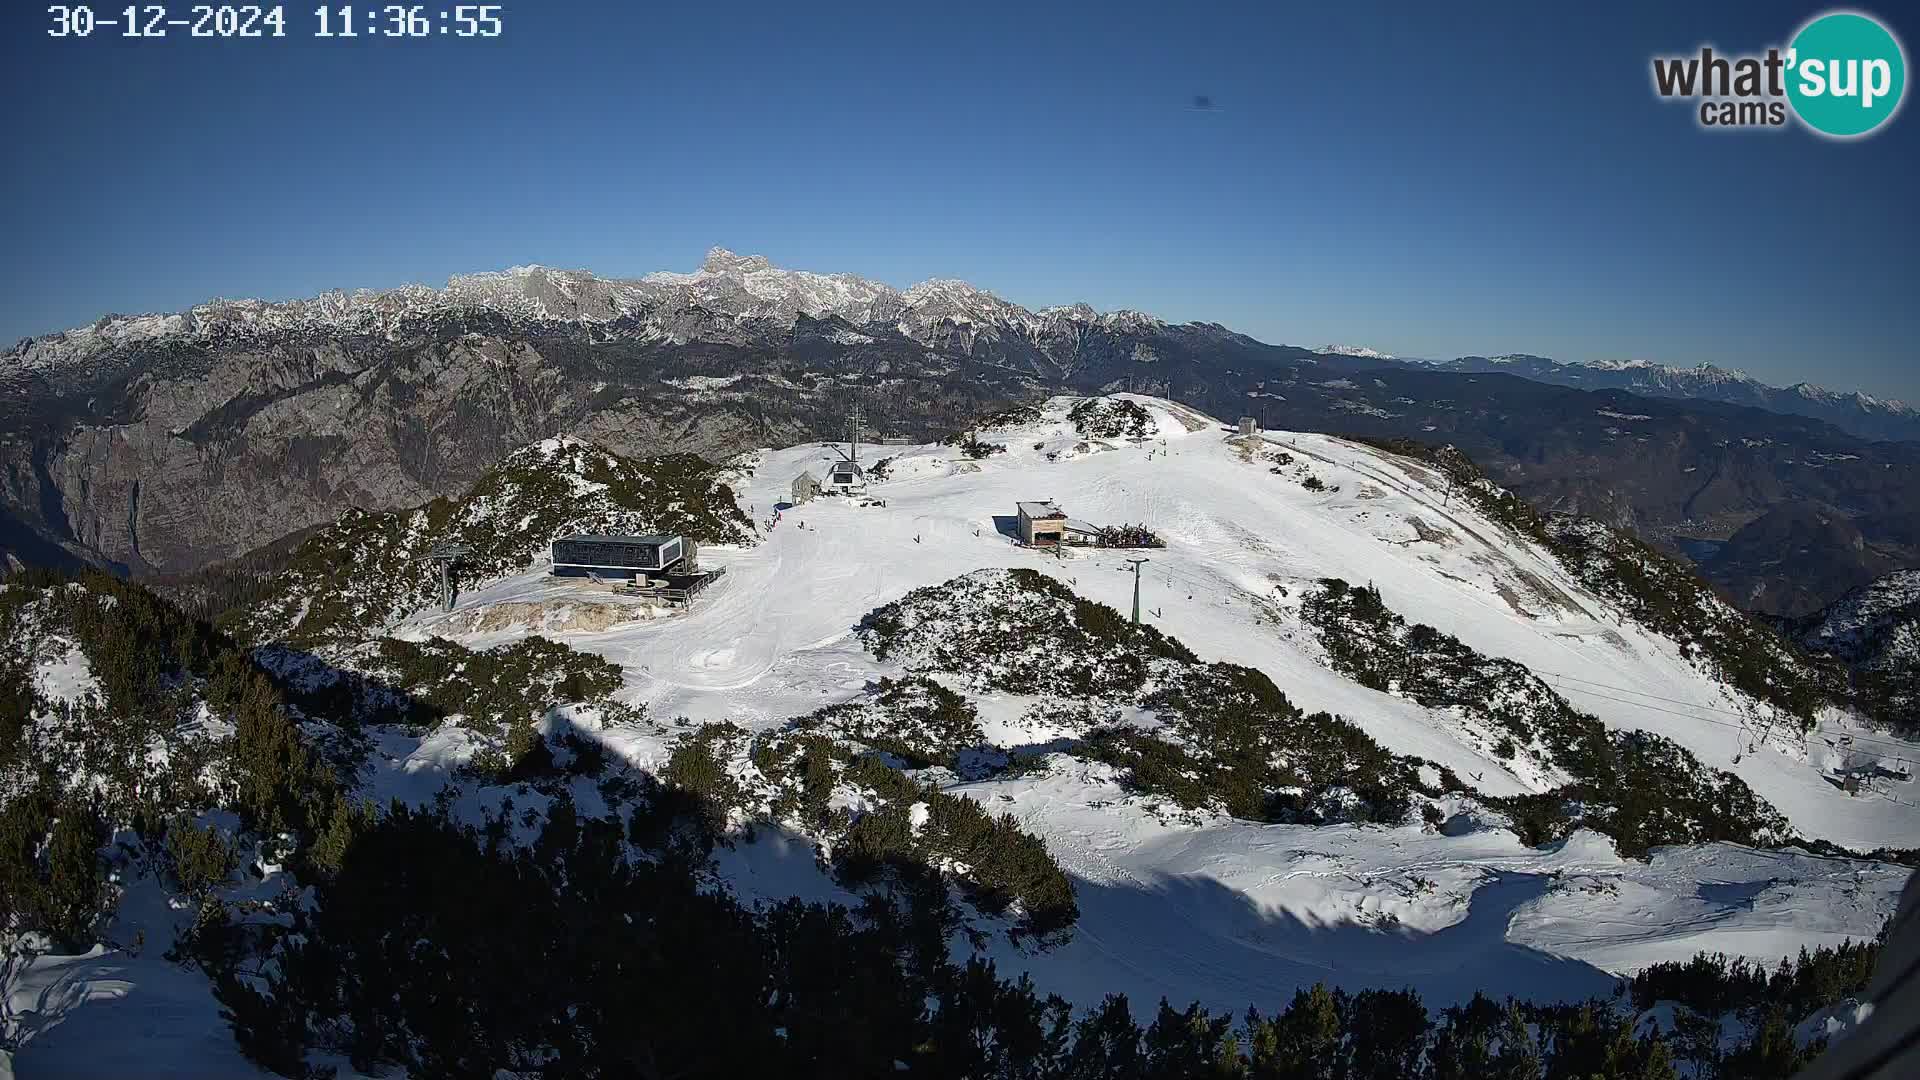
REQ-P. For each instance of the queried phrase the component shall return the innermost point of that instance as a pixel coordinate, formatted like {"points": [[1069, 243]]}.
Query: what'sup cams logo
{"points": [[1842, 76]]}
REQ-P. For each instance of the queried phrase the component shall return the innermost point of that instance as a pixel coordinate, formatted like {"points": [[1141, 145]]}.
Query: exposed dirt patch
{"points": [[1513, 598], [569, 615], [1432, 534]]}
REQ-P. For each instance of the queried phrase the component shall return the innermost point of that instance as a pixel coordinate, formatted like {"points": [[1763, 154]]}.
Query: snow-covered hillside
{"points": [[1175, 901], [1244, 543], [1246, 539], [1873, 622], [1875, 631], [539, 493]]}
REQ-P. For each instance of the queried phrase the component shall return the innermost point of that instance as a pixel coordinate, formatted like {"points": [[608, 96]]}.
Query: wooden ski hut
{"points": [[805, 487]]}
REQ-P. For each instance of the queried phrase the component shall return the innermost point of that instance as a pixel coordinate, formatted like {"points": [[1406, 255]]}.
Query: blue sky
{"points": [[1412, 178]]}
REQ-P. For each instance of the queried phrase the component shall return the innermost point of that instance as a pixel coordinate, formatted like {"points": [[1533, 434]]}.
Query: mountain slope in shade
{"points": [[1875, 631], [1855, 627], [1855, 412], [1794, 556]]}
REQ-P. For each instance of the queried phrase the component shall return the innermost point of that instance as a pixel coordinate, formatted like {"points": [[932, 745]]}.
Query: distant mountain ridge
{"points": [[1355, 350], [1854, 412], [661, 306], [676, 307]]}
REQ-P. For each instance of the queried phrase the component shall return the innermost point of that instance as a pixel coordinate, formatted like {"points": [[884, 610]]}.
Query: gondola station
{"points": [[665, 568]]}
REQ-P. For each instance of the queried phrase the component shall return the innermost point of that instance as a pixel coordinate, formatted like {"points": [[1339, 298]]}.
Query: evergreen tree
{"points": [[1518, 1057], [200, 859], [1190, 1045], [1593, 1038], [76, 893], [1463, 1044], [989, 1028], [1106, 1044], [1304, 1042], [1386, 1034], [1771, 1053], [24, 825]]}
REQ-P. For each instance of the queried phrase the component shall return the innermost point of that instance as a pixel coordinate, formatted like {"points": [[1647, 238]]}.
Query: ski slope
{"points": [[773, 639], [1229, 912]]}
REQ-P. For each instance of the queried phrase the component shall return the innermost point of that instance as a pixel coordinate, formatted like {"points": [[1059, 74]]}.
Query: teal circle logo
{"points": [[1846, 74]]}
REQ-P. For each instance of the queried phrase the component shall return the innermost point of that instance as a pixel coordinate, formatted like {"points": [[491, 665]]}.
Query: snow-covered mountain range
{"points": [[1354, 350], [1852, 411], [746, 289]]}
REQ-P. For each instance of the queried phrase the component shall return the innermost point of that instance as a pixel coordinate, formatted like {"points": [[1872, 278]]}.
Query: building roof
{"points": [[842, 468], [1042, 510], [1076, 525], [612, 539]]}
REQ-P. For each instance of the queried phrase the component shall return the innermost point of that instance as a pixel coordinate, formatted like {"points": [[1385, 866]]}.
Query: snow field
{"points": [[1231, 912]]}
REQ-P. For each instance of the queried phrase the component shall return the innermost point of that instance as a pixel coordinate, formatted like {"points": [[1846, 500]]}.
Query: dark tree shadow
{"points": [[1190, 938]]}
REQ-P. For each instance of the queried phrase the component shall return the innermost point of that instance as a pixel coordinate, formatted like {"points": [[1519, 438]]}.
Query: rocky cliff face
{"points": [[263, 443]]}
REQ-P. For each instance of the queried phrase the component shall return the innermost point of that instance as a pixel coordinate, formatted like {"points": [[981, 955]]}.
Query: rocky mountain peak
{"points": [[1354, 350], [721, 261]]}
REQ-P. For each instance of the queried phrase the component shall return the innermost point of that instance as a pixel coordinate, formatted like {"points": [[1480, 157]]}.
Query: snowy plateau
{"points": [[1175, 904]]}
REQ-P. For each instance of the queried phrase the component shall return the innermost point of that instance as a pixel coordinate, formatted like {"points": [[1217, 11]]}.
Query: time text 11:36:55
{"points": [[255, 21]]}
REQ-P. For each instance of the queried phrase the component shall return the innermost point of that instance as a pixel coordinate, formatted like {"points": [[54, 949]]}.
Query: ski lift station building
{"points": [[846, 477], [1042, 524], [627, 556]]}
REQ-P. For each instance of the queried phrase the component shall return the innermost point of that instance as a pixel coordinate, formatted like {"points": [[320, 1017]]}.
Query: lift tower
{"points": [[443, 556], [1136, 588]]}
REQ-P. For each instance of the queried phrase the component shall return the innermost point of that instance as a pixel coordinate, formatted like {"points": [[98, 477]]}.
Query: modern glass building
{"points": [[605, 555]]}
